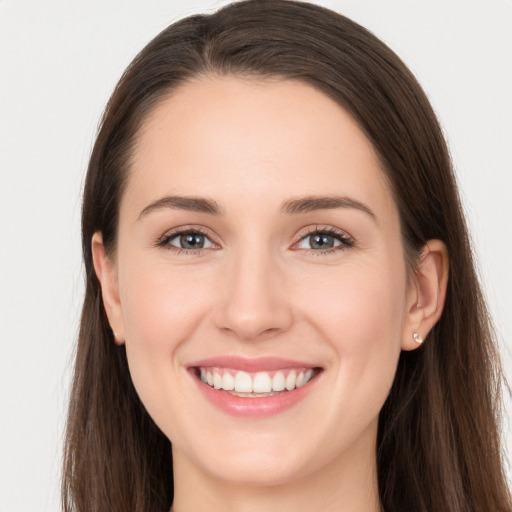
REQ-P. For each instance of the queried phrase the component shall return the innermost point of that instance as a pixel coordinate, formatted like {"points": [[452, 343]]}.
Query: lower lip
{"points": [[257, 407]]}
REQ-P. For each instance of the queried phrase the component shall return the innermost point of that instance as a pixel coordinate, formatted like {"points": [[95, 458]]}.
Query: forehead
{"points": [[246, 139]]}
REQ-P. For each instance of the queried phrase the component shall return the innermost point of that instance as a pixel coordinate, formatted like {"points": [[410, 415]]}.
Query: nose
{"points": [[254, 302]]}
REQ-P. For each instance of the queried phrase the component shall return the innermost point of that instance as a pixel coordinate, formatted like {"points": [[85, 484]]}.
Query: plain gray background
{"points": [[59, 61]]}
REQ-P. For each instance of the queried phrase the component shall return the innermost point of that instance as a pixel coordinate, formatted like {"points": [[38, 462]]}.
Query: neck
{"points": [[347, 484]]}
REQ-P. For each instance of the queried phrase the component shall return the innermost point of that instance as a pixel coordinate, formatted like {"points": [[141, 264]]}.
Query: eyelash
{"points": [[341, 236], [346, 240], [164, 241]]}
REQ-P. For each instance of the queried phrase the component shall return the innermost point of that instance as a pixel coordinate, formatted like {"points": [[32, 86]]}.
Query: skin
{"points": [[260, 289]]}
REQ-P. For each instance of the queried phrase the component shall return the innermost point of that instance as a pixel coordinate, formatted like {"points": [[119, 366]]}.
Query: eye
{"points": [[324, 240], [186, 240], [190, 241]]}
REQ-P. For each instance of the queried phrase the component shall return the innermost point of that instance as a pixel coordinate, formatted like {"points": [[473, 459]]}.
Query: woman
{"points": [[281, 308]]}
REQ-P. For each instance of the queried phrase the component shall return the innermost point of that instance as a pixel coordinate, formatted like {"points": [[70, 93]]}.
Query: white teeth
{"points": [[217, 381], [257, 383], [262, 383], [228, 382], [290, 380], [279, 382], [243, 383]]}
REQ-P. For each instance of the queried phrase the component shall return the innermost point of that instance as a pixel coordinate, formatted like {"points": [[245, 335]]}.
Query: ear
{"points": [[106, 272], [427, 293]]}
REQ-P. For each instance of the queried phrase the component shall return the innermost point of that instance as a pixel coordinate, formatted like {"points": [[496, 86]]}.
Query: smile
{"points": [[241, 383], [254, 388]]}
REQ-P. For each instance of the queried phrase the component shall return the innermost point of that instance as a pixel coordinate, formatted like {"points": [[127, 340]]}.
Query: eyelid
{"points": [[347, 240], [163, 240]]}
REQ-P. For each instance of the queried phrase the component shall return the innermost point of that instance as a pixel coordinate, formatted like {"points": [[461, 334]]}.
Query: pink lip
{"points": [[260, 364], [246, 407]]}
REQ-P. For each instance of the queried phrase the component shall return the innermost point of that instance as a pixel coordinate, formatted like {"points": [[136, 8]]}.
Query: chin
{"points": [[261, 458], [257, 469]]}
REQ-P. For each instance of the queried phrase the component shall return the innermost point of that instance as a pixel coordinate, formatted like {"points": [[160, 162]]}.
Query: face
{"points": [[259, 280]]}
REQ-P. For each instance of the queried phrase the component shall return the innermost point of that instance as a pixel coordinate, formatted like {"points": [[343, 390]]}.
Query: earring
{"points": [[417, 338]]}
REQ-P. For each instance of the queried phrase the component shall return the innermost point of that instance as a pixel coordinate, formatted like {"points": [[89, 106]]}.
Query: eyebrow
{"points": [[293, 206], [314, 203], [191, 204]]}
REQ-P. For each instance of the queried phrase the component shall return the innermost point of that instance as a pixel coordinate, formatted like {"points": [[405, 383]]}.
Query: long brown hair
{"points": [[438, 438]]}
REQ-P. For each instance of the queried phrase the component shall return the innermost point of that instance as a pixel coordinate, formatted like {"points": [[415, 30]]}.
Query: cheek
{"points": [[160, 304], [161, 308], [360, 311], [359, 304]]}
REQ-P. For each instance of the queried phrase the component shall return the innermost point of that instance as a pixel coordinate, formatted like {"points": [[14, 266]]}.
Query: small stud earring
{"points": [[417, 338]]}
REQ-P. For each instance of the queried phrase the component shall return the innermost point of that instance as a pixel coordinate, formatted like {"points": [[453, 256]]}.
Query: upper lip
{"points": [[257, 364]]}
